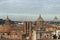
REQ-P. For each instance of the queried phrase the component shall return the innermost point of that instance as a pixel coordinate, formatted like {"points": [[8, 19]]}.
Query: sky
{"points": [[29, 9]]}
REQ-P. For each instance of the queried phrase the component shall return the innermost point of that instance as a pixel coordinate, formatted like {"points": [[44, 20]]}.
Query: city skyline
{"points": [[28, 17]]}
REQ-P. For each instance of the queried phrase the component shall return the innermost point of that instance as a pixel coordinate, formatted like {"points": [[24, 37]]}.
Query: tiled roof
{"points": [[49, 26]]}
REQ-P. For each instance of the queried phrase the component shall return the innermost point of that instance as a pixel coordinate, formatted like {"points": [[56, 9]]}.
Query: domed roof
{"points": [[55, 19], [7, 19], [40, 18]]}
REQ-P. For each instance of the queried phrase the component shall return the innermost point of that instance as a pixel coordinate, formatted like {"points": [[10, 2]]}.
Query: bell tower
{"points": [[28, 29]]}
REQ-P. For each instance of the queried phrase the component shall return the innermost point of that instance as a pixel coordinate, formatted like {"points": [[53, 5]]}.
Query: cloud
{"points": [[43, 7]]}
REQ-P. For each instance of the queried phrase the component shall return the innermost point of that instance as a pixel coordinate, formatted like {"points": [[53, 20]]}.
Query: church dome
{"points": [[40, 18]]}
